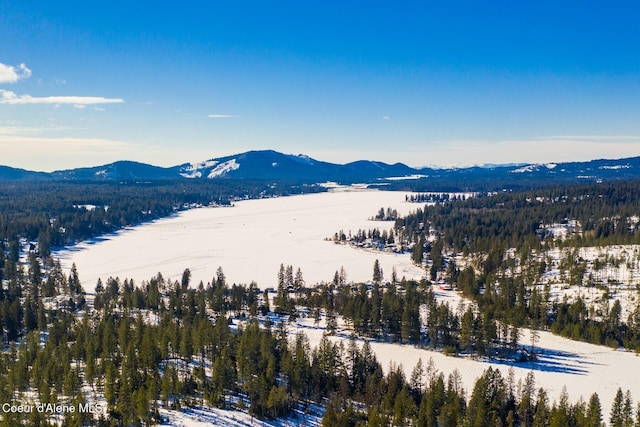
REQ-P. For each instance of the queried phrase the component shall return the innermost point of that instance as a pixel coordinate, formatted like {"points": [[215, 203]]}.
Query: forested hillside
{"points": [[504, 242]]}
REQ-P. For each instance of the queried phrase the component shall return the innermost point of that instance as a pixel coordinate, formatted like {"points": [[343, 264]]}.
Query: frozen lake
{"points": [[249, 241]]}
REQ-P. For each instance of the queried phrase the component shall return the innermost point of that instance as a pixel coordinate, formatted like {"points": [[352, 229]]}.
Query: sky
{"points": [[423, 83]]}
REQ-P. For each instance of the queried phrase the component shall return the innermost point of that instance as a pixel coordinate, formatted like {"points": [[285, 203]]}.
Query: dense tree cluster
{"points": [[433, 198], [388, 215], [372, 238], [512, 219]]}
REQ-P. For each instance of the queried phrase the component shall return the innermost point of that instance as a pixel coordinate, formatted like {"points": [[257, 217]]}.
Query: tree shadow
{"points": [[550, 360]]}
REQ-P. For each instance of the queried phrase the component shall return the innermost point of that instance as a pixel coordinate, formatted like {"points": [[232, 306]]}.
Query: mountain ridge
{"points": [[273, 165]]}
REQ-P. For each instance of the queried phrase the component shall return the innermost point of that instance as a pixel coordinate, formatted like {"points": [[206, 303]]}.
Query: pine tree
{"points": [[541, 416], [342, 277], [466, 330], [30, 315], [74, 280], [35, 272], [526, 407], [377, 272], [514, 336], [186, 278], [418, 251], [616, 417], [627, 410], [289, 276], [332, 324], [416, 381], [559, 416], [594, 412], [110, 384], [282, 297], [298, 282], [376, 307]]}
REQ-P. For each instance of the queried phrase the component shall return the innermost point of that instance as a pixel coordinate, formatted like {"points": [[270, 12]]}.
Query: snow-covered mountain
{"points": [[278, 166], [272, 165]]}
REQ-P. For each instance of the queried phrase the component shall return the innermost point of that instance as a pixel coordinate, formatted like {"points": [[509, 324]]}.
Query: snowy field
{"points": [[582, 368], [249, 241]]}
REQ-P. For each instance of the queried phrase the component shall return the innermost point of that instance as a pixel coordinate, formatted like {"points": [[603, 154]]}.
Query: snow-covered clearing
{"points": [[611, 273], [582, 368], [249, 241]]}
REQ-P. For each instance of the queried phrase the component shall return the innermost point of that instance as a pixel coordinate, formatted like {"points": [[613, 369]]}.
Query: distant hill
{"points": [[272, 165], [122, 170], [9, 173]]}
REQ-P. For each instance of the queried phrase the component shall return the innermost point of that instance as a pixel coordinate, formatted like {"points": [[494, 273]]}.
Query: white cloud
{"points": [[11, 74], [221, 116], [9, 97], [386, 118]]}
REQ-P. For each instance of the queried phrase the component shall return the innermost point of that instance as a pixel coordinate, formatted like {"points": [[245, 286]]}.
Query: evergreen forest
{"points": [[132, 350]]}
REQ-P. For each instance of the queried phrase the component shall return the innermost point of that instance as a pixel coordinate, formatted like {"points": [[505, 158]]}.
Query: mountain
{"points": [[122, 170], [272, 165], [14, 174], [266, 164], [594, 170]]}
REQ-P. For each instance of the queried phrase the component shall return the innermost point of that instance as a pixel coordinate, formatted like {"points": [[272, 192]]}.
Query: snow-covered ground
{"points": [[252, 239], [249, 241], [197, 417], [582, 368], [611, 273]]}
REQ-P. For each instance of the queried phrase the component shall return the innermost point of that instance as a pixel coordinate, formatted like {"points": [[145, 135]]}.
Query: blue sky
{"points": [[424, 83]]}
